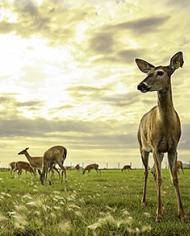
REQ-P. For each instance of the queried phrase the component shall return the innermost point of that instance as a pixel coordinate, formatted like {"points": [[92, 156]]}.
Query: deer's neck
{"points": [[28, 156], [165, 105]]}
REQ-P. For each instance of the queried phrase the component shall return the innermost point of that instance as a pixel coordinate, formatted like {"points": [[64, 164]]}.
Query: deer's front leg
{"points": [[157, 161], [144, 156]]}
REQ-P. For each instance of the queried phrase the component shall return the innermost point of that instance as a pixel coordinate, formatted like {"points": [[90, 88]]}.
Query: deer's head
{"points": [[23, 151], [158, 77]]}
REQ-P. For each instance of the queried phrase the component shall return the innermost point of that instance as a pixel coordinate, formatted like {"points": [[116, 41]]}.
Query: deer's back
{"points": [[23, 164], [92, 166], [36, 162], [54, 152]]}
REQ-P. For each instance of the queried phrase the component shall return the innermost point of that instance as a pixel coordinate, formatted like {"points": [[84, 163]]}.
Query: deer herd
{"points": [[159, 132]]}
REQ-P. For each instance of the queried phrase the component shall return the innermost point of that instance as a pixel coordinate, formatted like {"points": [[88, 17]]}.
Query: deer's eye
{"points": [[160, 73]]}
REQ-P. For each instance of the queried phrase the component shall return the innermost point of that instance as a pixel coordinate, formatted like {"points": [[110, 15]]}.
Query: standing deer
{"points": [[36, 162], [91, 167], [22, 165], [54, 155], [77, 167], [160, 130], [126, 167], [12, 166], [179, 165]]}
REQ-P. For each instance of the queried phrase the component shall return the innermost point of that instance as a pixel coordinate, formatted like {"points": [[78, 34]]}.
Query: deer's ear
{"points": [[144, 66], [176, 61]]}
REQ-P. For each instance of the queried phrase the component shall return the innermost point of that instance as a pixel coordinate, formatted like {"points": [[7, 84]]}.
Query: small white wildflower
{"points": [[58, 198], [11, 213], [110, 208], [78, 213], [5, 194], [21, 208], [71, 198], [3, 218], [131, 231], [27, 196], [56, 192], [31, 204], [94, 226], [62, 203], [44, 207], [147, 214], [129, 220], [137, 230], [146, 228], [20, 221], [125, 212], [74, 206], [57, 208], [39, 203], [107, 219], [102, 213], [53, 215], [37, 213], [82, 200], [65, 227]]}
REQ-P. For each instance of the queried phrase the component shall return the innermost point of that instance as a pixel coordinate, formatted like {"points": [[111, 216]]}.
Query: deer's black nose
{"points": [[142, 87]]}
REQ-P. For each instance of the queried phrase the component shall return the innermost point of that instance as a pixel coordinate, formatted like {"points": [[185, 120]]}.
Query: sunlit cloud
{"points": [[68, 74]]}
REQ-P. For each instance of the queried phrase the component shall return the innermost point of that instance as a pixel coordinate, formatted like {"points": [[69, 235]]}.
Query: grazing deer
{"points": [[68, 167], [160, 130], [54, 155], [91, 167], [179, 165], [77, 167], [36, 162], [12, 166], [22, 165], [126, 167]]}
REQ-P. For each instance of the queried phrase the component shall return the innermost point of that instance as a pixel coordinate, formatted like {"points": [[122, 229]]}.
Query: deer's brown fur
{"points": [[36, 162], [22, 165], [126, 167], [160, 130], [54, 155], [91, 167], [12, 166]]}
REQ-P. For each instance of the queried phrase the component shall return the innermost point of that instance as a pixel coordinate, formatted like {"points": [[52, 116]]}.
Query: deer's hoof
{"points": [[183, 217], [158, 218], [143, 204], [49, 182]]}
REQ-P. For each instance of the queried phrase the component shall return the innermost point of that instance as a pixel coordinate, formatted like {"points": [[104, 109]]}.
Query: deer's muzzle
{"points": [[143, 87]]}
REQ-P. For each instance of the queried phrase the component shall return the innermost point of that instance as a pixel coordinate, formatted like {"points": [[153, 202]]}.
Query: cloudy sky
{"points": [[68, 75]]}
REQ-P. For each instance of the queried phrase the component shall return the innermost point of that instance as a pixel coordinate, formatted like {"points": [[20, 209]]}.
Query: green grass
{"points": [[106, 204]]}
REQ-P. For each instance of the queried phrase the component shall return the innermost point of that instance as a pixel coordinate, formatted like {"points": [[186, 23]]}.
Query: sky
{"points": [[68, 75]]}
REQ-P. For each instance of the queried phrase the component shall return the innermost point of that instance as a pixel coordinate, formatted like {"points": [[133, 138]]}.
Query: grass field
{"points": [[106, 204]]}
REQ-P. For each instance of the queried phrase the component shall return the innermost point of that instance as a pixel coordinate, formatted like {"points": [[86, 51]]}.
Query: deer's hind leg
{"points": [[65, 173], [172, 159], [144, 156], [60, 164]]}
